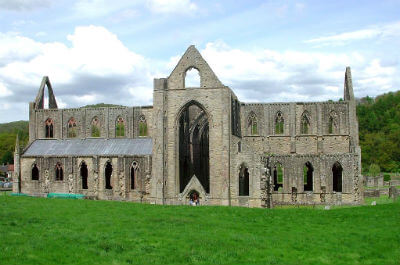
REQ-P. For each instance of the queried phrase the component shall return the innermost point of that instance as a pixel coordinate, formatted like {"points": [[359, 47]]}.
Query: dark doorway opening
{"points": [[337, 171], [308, 176], [84, 176], [194, 146], [35, 172], [244, 181], [108, 173]]}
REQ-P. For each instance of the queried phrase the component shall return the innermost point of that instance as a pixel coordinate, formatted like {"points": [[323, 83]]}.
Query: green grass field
{"points": [[62, 231]]}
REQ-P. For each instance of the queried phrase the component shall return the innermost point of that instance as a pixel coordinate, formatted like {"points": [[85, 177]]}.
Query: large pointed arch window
{"points": [[71, 128], [142, 126], [49, 126], [279, 123], [120, 127], [95, 127], [305, 123], [252, 124]]}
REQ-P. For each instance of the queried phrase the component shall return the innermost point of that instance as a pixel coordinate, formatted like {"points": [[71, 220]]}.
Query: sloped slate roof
{"points": [[89, 147]]}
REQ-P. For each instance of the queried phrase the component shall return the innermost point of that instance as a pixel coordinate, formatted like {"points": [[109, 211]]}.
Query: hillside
{"points": [[379, 126]]}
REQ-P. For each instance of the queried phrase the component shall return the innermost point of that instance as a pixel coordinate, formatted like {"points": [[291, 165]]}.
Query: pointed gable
{"points": [[39, 101], [193, 59]]}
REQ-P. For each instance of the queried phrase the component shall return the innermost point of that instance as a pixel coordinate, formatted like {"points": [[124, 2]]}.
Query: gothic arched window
{"points": [[49, 128], [244, 181], [252, 124], [84, 176], [59, 171], [107, 175], [120, 127], [192, 77], [95, 127], [333, 123], [71, 129], [278, 177], [142, 126], [134, 180], [279, 123], [308, 176], [337, 171], [305, 123], [35, 172]]}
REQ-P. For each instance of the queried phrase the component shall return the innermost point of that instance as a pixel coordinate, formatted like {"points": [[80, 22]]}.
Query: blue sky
{"points": [[269, 51]]}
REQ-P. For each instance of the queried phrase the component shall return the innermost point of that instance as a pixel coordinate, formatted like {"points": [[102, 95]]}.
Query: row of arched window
{"points": [[252, 123], [95, 127], [277, 175], [59, 174]]}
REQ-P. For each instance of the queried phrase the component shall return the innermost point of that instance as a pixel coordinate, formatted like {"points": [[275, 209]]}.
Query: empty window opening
{"points": [[193, 132], [278, 177], [71, 128], [239, 147], [333, 123], [35, 172], [244, 181], [337, 171], [305, 124], [192, 78], [49, 128], [107, 174], [59, 172], [95, 127], [134, 176], [120, 127], [84, 176], [279, 122], [142, 126], [308, 176], [252, 124]]}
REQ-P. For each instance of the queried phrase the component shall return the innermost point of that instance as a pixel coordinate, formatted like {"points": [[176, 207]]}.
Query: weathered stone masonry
{"points": [[199, 140]]}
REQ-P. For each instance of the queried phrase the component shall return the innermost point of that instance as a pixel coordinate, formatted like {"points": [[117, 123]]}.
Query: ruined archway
{"points": [[337, 177], [193, 145]]}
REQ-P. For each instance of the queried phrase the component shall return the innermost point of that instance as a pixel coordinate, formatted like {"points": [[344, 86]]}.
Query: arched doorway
{"points": [[84, 175], [308, 176], [193, 133], [244, 181], [337, 177]]}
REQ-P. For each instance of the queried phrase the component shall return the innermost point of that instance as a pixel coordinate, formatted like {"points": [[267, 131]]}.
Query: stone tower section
{"points": [[192, 135], [349, 97]]}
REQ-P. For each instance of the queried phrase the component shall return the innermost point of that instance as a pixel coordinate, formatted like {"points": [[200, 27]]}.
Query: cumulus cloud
{"points": [[376, 31], [172, 6], [268, 75], [95, 66], [23, 5]]}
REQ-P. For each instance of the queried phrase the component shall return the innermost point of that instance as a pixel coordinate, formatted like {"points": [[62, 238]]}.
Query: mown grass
{"points": [[61, 231]]}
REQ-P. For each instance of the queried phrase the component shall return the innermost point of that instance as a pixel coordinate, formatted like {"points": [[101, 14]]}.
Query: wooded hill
{"points": [[379, 127]]}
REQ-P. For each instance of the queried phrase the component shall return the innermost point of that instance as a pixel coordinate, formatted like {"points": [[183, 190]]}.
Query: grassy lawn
{"points": [[61, 231]]}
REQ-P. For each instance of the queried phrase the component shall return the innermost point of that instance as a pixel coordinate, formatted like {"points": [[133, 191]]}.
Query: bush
{"points": [[386, 177], [374, 170]]}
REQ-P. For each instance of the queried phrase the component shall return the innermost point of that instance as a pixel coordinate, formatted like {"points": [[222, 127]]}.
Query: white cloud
{"points": [[376, 31], [95, 63], [4, 91], [268, 75], [172, 6]]}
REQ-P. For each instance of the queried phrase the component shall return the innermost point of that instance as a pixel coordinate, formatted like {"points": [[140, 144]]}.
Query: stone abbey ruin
{"points": [[195, 140]]}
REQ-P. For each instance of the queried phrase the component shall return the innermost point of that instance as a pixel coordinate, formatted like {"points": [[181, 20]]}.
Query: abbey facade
{"points": [[195, 140]]}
